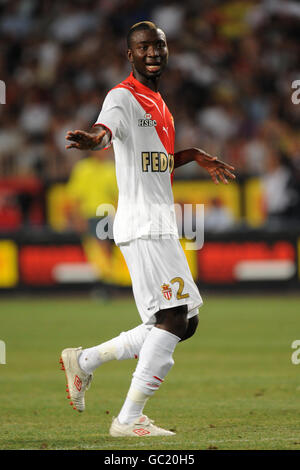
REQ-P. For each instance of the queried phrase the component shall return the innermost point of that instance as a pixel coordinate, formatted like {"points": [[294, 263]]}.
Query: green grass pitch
{"points": [[233, 385]]}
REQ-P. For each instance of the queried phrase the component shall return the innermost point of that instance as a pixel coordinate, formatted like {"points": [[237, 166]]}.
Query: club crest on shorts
{"points": [[166, 291]]}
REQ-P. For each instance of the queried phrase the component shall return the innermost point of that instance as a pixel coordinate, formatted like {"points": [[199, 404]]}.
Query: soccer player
{"points": [[135, 119]]}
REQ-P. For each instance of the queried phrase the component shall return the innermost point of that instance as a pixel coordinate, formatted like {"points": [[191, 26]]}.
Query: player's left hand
{"points": [[218, 170]]}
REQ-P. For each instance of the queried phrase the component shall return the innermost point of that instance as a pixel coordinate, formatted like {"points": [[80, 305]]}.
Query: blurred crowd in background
{"points": [[228, 83]]}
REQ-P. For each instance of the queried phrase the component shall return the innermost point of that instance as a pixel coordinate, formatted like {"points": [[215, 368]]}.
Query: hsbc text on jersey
{"points": [[147, 123], [157, 162]]}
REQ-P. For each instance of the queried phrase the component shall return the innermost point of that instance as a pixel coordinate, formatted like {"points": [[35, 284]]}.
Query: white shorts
{"points": [[161, 277]]}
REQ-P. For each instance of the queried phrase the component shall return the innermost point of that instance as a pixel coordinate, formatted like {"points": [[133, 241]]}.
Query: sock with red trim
{"points": [[154, 363], [125, 346]]}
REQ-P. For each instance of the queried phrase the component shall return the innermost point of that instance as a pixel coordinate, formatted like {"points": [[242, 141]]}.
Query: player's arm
{"points": [[97, 139], [217, 169]]}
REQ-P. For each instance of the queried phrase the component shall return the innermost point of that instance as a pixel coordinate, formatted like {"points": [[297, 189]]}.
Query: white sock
{"points": [[133, 406], [154, 363], [125, 346]]}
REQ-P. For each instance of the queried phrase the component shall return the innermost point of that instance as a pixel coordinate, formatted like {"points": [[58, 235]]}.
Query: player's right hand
{"points": [[82, 140]]}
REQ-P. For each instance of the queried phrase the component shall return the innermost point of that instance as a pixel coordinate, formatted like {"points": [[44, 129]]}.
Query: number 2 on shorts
{"points": [[179, 294]]}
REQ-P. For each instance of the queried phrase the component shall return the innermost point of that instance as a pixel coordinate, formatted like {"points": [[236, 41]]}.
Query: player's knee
{"points": [[173, 320], [191, 328], [180, 325]]}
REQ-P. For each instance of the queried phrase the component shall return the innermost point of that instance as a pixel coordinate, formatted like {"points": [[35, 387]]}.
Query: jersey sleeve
{"points": [[114, 114]]}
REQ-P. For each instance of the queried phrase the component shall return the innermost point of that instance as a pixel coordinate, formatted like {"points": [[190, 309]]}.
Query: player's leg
{"points": [[155, 361], [152, 266], [173, 320], [191, 328], [79, 364], [127, 345]]}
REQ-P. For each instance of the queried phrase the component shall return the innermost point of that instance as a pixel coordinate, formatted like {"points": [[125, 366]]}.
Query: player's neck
{"points": [[152, 83]]}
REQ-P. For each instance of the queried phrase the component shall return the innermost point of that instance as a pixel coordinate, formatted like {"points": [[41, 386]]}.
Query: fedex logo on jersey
{"points": [[157, 162], [147, 121]]}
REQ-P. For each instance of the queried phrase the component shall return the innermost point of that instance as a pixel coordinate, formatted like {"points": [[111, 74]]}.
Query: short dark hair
{"points": [[139, 27]]}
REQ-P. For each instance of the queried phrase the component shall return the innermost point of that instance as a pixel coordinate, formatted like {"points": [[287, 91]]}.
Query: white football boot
{"points": [[77, 380], [141, 427]]}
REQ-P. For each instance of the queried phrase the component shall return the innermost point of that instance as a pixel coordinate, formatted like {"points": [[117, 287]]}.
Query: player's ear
{"points": [[129, 55]]}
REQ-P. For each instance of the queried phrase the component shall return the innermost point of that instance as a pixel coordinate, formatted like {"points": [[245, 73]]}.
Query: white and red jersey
{"points": [[143, 137]]}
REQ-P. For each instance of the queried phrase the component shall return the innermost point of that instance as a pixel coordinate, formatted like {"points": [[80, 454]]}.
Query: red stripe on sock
{"points": [[157, 378]]}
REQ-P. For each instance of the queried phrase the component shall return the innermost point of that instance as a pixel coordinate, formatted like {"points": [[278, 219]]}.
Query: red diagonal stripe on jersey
{"points": [[153, 104]]}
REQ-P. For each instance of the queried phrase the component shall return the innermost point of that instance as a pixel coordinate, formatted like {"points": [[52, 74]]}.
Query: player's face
{"points": [[148, 53]]}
